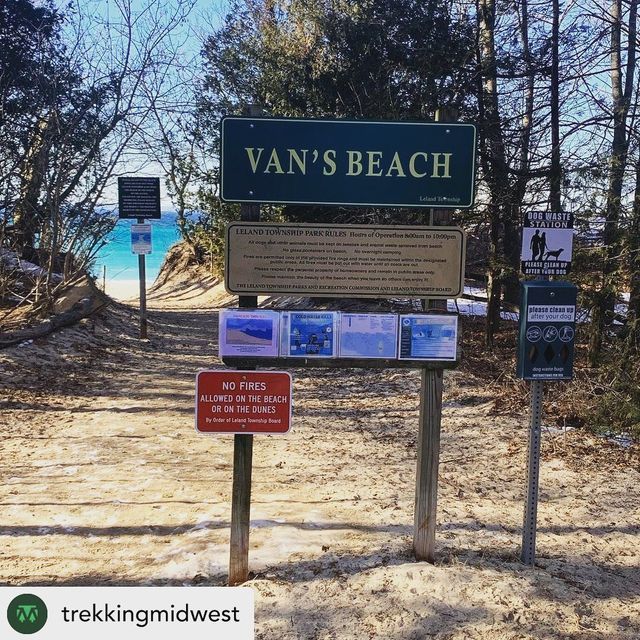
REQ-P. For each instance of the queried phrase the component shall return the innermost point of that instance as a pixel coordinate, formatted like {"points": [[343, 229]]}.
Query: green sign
{"points": [[547, 330], [346, 162], [27, 613]]}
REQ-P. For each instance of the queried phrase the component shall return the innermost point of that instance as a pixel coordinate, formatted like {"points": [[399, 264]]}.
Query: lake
{"points": [[122, 264]]}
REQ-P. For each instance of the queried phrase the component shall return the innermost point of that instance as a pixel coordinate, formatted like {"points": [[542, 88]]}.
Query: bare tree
{"points": [[622, 93], [81, 135]]}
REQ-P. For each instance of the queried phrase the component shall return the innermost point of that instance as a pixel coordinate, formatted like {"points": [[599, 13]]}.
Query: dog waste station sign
{"points": [[547, 243], [337, 162], [546, 335]]}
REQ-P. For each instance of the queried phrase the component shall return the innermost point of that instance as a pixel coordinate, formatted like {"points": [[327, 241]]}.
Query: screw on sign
{"points": [[243, 402]]}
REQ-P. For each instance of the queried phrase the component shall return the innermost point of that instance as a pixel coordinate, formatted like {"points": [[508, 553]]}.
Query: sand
{"points": [[106, 482], [124, 289]]}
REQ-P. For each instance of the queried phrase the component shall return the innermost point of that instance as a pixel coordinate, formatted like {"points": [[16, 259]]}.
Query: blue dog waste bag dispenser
{"points": [[547, 330]]}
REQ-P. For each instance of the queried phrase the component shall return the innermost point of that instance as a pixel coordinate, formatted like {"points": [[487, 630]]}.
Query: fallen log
{"points": [[80, 310]]}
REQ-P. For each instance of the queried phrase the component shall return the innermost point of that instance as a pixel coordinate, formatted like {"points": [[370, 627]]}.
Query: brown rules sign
{"points": [[362, 261]]}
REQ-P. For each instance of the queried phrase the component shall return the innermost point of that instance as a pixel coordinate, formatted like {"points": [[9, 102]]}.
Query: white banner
{"points": [[551, 313]]}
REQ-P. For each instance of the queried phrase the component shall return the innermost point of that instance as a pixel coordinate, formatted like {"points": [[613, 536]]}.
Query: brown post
{"points": [[424, 533], [242, 453], [242, 466], [428, 443]]}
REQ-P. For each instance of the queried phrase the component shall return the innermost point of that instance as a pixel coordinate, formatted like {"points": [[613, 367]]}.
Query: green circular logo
{"points": [[27, 613]]}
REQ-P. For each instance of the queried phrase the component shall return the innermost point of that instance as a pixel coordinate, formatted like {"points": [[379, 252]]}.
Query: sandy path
{"points": [[106, 482]]}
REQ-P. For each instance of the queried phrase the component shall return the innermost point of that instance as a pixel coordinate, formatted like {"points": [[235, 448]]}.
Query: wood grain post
{"points": [[242, 465], [240, 509], [428, 443], [424, 533]]}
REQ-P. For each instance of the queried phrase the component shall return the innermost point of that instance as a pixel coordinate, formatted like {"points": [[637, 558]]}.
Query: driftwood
{"points": [[80, 310]]}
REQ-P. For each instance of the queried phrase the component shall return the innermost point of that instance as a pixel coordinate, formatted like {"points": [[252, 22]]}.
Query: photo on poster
{"points": [[248, 333], [141, 239], [309, 334], [547, 245], [428, 337], [368, 335]]}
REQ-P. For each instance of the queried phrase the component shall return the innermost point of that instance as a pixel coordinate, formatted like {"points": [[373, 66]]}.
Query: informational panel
{"points": [[547, 243], [363, 261], [141, 239], [428, 337], [309, 334], [547, 331], [368, 335], [248, 333], [346, 162], [139, 198], [243, 402]]}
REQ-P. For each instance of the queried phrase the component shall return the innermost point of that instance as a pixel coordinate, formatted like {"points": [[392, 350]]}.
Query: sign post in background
{"points": [[142, 274], [139, 198]]}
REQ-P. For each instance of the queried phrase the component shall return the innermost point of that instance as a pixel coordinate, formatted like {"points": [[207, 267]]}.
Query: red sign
{"points": [[243, 402]]}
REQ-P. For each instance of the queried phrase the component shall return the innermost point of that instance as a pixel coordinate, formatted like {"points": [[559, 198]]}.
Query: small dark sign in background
{"points": [[139, 198], [345, 162]]}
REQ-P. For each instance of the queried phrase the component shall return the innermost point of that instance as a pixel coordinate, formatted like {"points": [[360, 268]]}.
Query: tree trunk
{"points": [[633, 316], [27, 216], [513, 219], [602, 316], [556, 172], [493, 160]]}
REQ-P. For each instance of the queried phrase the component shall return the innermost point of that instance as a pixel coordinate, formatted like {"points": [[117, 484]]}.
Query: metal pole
{"points": [[104, 277], [531, 506], [142, 272]]}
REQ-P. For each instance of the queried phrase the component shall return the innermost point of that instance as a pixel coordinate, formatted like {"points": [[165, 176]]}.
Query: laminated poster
{"points": [[141, 239], [368, 335], [309, 334], [428, 337], [248, 333]]}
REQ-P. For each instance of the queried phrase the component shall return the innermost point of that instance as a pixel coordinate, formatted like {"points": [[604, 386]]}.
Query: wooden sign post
{"points": [[428, 454], [242, 464], [441, 175], [428, 442]]}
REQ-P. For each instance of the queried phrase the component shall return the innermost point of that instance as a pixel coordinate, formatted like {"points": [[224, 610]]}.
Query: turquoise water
{"points": [[121, 263]]}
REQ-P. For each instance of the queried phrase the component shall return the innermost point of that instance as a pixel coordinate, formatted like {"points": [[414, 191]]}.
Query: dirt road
{"points": [[104, 481]]}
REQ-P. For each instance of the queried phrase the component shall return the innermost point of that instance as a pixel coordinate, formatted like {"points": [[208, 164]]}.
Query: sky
{"points": [[204, 17]]}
